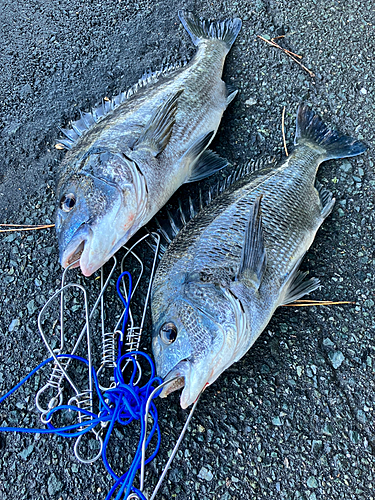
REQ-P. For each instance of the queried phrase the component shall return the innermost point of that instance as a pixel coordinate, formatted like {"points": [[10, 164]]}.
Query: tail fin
{"points": [[203, 29], [311, 128]]}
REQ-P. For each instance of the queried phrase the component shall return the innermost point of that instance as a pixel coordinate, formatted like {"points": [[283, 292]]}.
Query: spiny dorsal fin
{"points": [[87, 120], [241, 171], [253, 255], [159, 129]]}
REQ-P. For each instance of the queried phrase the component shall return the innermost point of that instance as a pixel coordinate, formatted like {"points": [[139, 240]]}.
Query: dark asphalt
{"points": [[295, 418]]}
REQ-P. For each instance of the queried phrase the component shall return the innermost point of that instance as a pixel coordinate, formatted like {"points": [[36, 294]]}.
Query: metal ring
{"points": [[87, 460], [57, 400]]}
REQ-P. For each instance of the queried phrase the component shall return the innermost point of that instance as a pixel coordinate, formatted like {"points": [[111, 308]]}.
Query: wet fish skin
{"points": [[237, 260], [128, 156]]}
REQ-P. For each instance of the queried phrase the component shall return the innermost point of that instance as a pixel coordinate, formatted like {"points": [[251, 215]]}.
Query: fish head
{"points": [[100, 206], [194, 338]]}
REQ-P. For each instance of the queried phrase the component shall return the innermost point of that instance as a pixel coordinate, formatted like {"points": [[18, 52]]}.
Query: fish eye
{"points": [[67, 202], [168, 333]]}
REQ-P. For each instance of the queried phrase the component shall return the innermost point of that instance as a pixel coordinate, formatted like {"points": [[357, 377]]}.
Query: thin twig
{"points": [[302, 66], [24, 228], [292, 55], [274, 44], [283, 131], [309, 303]]}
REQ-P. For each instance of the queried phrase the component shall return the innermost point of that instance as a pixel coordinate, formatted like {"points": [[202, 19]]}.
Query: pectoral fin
{"points": [[207, 164], [253, 256], [158, 130]]}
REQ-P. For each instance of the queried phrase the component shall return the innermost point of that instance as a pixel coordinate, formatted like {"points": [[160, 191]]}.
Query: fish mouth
{"points": [[90, 252], [71, 256], [176, 383], [186, 376], [176, 378], [74, 259]]}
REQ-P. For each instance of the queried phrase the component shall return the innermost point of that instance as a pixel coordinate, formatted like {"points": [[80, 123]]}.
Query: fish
{"points": [[128, 156], [237, 260]]}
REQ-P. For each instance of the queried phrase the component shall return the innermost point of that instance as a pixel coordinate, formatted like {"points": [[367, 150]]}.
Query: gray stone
{"points": [[53, 485], [336, 358], [14, 324], [206, 474]]}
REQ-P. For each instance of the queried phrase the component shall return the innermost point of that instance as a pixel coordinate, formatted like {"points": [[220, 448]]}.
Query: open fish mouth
{"points": [[177, 378], [73, 259], [71, 255], [173, 386], [184, 375]]}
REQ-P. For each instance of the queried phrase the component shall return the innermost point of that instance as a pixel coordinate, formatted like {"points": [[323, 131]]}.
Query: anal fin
{"points": [[158, 130], [232, 91], [298, 286], [326, 198], [253, 256]]}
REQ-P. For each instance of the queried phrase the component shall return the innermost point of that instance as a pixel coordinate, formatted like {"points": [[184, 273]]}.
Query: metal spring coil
{"points": [[133, 339], [57, 375], [84, 402], [109, 353]]}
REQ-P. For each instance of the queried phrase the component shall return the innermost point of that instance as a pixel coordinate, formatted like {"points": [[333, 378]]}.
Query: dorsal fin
{"points": [[87, 120]]}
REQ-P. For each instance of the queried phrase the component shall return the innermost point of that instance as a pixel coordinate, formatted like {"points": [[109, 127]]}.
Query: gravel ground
{"points": [[295, 418]]}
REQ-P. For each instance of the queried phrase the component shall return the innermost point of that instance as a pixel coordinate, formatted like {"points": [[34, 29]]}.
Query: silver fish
{"points": [[238, 259], [127, 157]]}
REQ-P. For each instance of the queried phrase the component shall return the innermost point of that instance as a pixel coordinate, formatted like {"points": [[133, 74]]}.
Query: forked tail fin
{"points": [[311, 128], [204, 29]]}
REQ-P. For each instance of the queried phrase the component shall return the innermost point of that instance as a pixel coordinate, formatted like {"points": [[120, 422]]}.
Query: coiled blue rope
{"points": [[123, 404]]}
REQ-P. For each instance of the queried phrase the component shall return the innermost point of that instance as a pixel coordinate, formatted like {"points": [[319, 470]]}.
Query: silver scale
{"points": [[61, 383]]}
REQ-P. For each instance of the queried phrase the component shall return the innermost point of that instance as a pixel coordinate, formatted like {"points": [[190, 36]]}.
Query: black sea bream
{"points": [[127, 157], [237, 260]]}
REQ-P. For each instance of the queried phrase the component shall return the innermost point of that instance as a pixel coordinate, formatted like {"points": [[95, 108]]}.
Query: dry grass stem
{"points": [[292, 55], [309, 303], [283, 131], [23, 227]]}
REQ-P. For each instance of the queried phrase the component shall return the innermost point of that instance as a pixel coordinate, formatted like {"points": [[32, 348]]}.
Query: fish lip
{"points": [[71, 256]]}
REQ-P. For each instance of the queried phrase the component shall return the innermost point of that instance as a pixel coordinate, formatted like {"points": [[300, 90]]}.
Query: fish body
{"points": [[128, 156], [237, 260]]}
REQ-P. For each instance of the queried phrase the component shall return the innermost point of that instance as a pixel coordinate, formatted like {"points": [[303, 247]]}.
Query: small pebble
{"points": [[336, 358], [14, 324], [206, 474]]}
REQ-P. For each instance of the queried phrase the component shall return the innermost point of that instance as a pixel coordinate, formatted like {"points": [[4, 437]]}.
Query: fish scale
{"points": [[238, 259], [209, 233]]}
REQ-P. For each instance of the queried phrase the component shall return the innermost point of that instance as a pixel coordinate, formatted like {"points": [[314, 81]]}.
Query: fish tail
{"points": [[311, 128], [204, 29]]}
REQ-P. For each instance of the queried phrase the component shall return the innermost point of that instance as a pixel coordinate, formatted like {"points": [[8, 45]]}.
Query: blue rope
{"points": [[123, 404]]}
